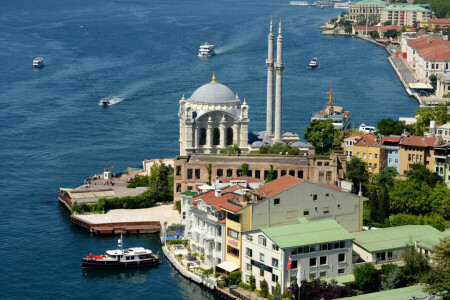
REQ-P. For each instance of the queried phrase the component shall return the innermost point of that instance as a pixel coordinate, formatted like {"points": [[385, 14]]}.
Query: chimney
{"points": [[218, 193], [432, 128]]}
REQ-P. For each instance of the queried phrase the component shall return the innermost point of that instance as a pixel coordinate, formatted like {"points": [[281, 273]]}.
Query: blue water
{"points": [[142, 55]]}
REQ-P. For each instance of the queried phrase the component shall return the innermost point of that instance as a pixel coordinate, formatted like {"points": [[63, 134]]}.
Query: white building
{"points": [[320, 249], [444, 132]]}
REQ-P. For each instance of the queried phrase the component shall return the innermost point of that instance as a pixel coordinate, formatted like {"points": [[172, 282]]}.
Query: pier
{"points": [[112, 228]]}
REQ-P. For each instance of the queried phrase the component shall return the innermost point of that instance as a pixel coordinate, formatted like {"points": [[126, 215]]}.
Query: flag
{"points": [[289, 265], [299, 276]]}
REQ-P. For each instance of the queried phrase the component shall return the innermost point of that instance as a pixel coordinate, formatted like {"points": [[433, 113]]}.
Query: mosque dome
{"points": [[213, 93]]}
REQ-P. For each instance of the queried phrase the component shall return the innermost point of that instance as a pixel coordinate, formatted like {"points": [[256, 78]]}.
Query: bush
{"points": [[178, 206], [366, 278], [232, 279], [244, 286], [217, 274], [264, 291]]}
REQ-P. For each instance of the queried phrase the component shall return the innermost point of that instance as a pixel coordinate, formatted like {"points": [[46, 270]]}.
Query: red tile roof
{"points": [[425, 41], [439, 21], [211, 199], [248, 179], [418, 141], [278, 185], [231, 207], [436, 52], [355, 135], [391, 139], [368, 140], [363, 27]]}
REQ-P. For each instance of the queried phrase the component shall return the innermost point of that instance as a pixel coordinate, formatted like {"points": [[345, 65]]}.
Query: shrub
{"points": [[264, 291], [244, 286], [178, 206], [217, 274], [252, 282], [232, 279], [366, 278]]}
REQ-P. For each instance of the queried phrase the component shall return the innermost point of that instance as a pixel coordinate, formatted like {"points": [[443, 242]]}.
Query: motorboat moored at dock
{"points": [[121, 258]]}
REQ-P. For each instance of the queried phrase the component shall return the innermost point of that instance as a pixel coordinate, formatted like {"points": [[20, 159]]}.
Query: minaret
{"points": [[269, 64], [279, 66]]}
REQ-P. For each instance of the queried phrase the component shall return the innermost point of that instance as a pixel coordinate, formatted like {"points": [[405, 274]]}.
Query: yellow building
{"points": [[417, 149], [369, 150]]}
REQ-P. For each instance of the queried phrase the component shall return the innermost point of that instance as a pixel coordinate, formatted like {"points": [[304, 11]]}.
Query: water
{"points": [[142, 55]]}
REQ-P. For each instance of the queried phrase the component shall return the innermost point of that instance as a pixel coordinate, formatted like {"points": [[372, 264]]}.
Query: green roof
{"points": [[408, 7], [341, 279], [396, 237], [396, 294], [189, 193], [371, 2], [307, 233]]}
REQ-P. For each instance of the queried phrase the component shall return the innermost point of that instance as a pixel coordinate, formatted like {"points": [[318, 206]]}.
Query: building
{"points": [[435, 23], [443, 132], [443, 85], [369, 150], [192, 171], [404, 14], [320, 249], [349, 142], [416, 149], [387, 244], [365, 8], [392, 150], [442, 162]]}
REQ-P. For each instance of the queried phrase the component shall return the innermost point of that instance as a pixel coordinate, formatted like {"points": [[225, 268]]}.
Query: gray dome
{"points": [[213, 93]]}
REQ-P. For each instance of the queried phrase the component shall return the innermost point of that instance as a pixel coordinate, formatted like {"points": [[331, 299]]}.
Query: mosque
{"points": [[214, 117]]}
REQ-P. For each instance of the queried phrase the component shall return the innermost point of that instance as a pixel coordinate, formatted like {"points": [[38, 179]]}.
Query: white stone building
{"points": [[320, 249], [213, 118]]}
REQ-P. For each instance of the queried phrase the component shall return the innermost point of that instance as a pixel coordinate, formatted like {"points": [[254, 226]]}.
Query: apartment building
{"points": [[417, 149], [404, 14], [391, 145], [370, 151]]}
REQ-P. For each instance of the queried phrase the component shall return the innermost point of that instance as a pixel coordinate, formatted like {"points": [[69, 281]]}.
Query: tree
{"points": [[271, 175], [390, 33], [320, 134], [264, 289], [277, 290], [385, 177], [387, 23], [348, 29], [161, 181], [416, 264], [366, 278], [439, 277], [424, 115], [389, 126], [252, 282], [374, 34], [360, 19], [357, 172], [393, 279], [209, 169], [317, 289], [420, 173], [279, 148]]}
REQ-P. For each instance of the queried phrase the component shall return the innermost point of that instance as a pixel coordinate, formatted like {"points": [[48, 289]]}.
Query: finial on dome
{"points": [[213, 78], [237, 96], [245, 103]]}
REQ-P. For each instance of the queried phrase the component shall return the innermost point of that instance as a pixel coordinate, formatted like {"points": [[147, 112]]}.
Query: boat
{"points": [[340, 116], [121, 258], [313, 64], [322, 3], [342, 5], [38, 62], [367, 129], [206, 50], [301, 3], [105, 102]]}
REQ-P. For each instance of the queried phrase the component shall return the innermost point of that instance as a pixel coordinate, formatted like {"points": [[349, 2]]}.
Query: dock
{"points": [[111, 228]]}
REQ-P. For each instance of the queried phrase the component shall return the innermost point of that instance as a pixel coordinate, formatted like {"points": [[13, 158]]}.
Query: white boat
{"points": [[342, 5], [367, 129], [206, 50], [301, 3], [121, 258], [38, 62], [105, 102], [313, 64]]}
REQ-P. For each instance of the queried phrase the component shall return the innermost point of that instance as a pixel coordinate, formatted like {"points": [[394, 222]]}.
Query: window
{"points": [[275, 247], [314, 197], [257, 174], [300, 174], [341, 271], [262, 240], [283, 172], [375, 166], [249, 237], [409, 157], [233, 233], [249, 173], [276, 201], [229, 136], [261, 257], [275, 262], [249, 267], [312, 248], [219, 231], [178, 170], [197, 173], [233, 251], [292, 173], [341, 257], [229, 172], [327, 163], [312, 275], [202, 138], [357, 154], [178, 187], [189, 173], [216, 136], [294, 264], [313, 262], [306, 212], [389, 255], [323, 260], [326, 210], [233, 217], [319, 163], [370, 155], [261, 272], [376, 155], [219, 172], [364, 155], [294, 251], [274, 278], [184, 215], [189, 188], [323, 247], [322, 274], [248, 252], [390, 160], [370, 166]]}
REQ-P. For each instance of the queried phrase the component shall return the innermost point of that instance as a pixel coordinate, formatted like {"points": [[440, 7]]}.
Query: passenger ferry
{"points": [[340, 116], [342, 5], [38, 62], [301, 3], [313, 64], [120, 258], [206, 50]]}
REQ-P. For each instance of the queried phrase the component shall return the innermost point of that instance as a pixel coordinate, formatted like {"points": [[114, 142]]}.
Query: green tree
{"points": [[420, 173], [279, 148], [252, 282], [277, 290], [320, 134], [264, 291], [271, 175], [357, 172], [178, 206], [393, 279], [244, 169], [387, 23], [410, 197], [440, 7], [366, 278], [390, 33], [341, 135], [440, 200], [348, 29], [374, 34], [424, 115], [438, 278], [416, 264], [389, 126], [360, 19], [385, 177]]}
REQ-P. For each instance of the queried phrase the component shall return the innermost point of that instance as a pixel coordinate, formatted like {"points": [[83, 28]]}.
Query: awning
{"points": [[227, 266], [205, 187], [420, 85]]}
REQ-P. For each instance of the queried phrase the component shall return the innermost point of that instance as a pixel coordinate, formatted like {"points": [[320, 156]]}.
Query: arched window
{"points": [[216, 137], [229, 136], [202, 137]]}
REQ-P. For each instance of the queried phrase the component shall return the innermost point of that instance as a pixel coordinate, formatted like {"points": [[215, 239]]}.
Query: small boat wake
{"points": [[113, 100]]}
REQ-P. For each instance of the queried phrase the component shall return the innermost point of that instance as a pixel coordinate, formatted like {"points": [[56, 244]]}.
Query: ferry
{"points": [[121, 258], [342, 5], [206, 50], [301, 3], [322, 3], [38, 62], [313, 64], [105, 102], [340, 116]]}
